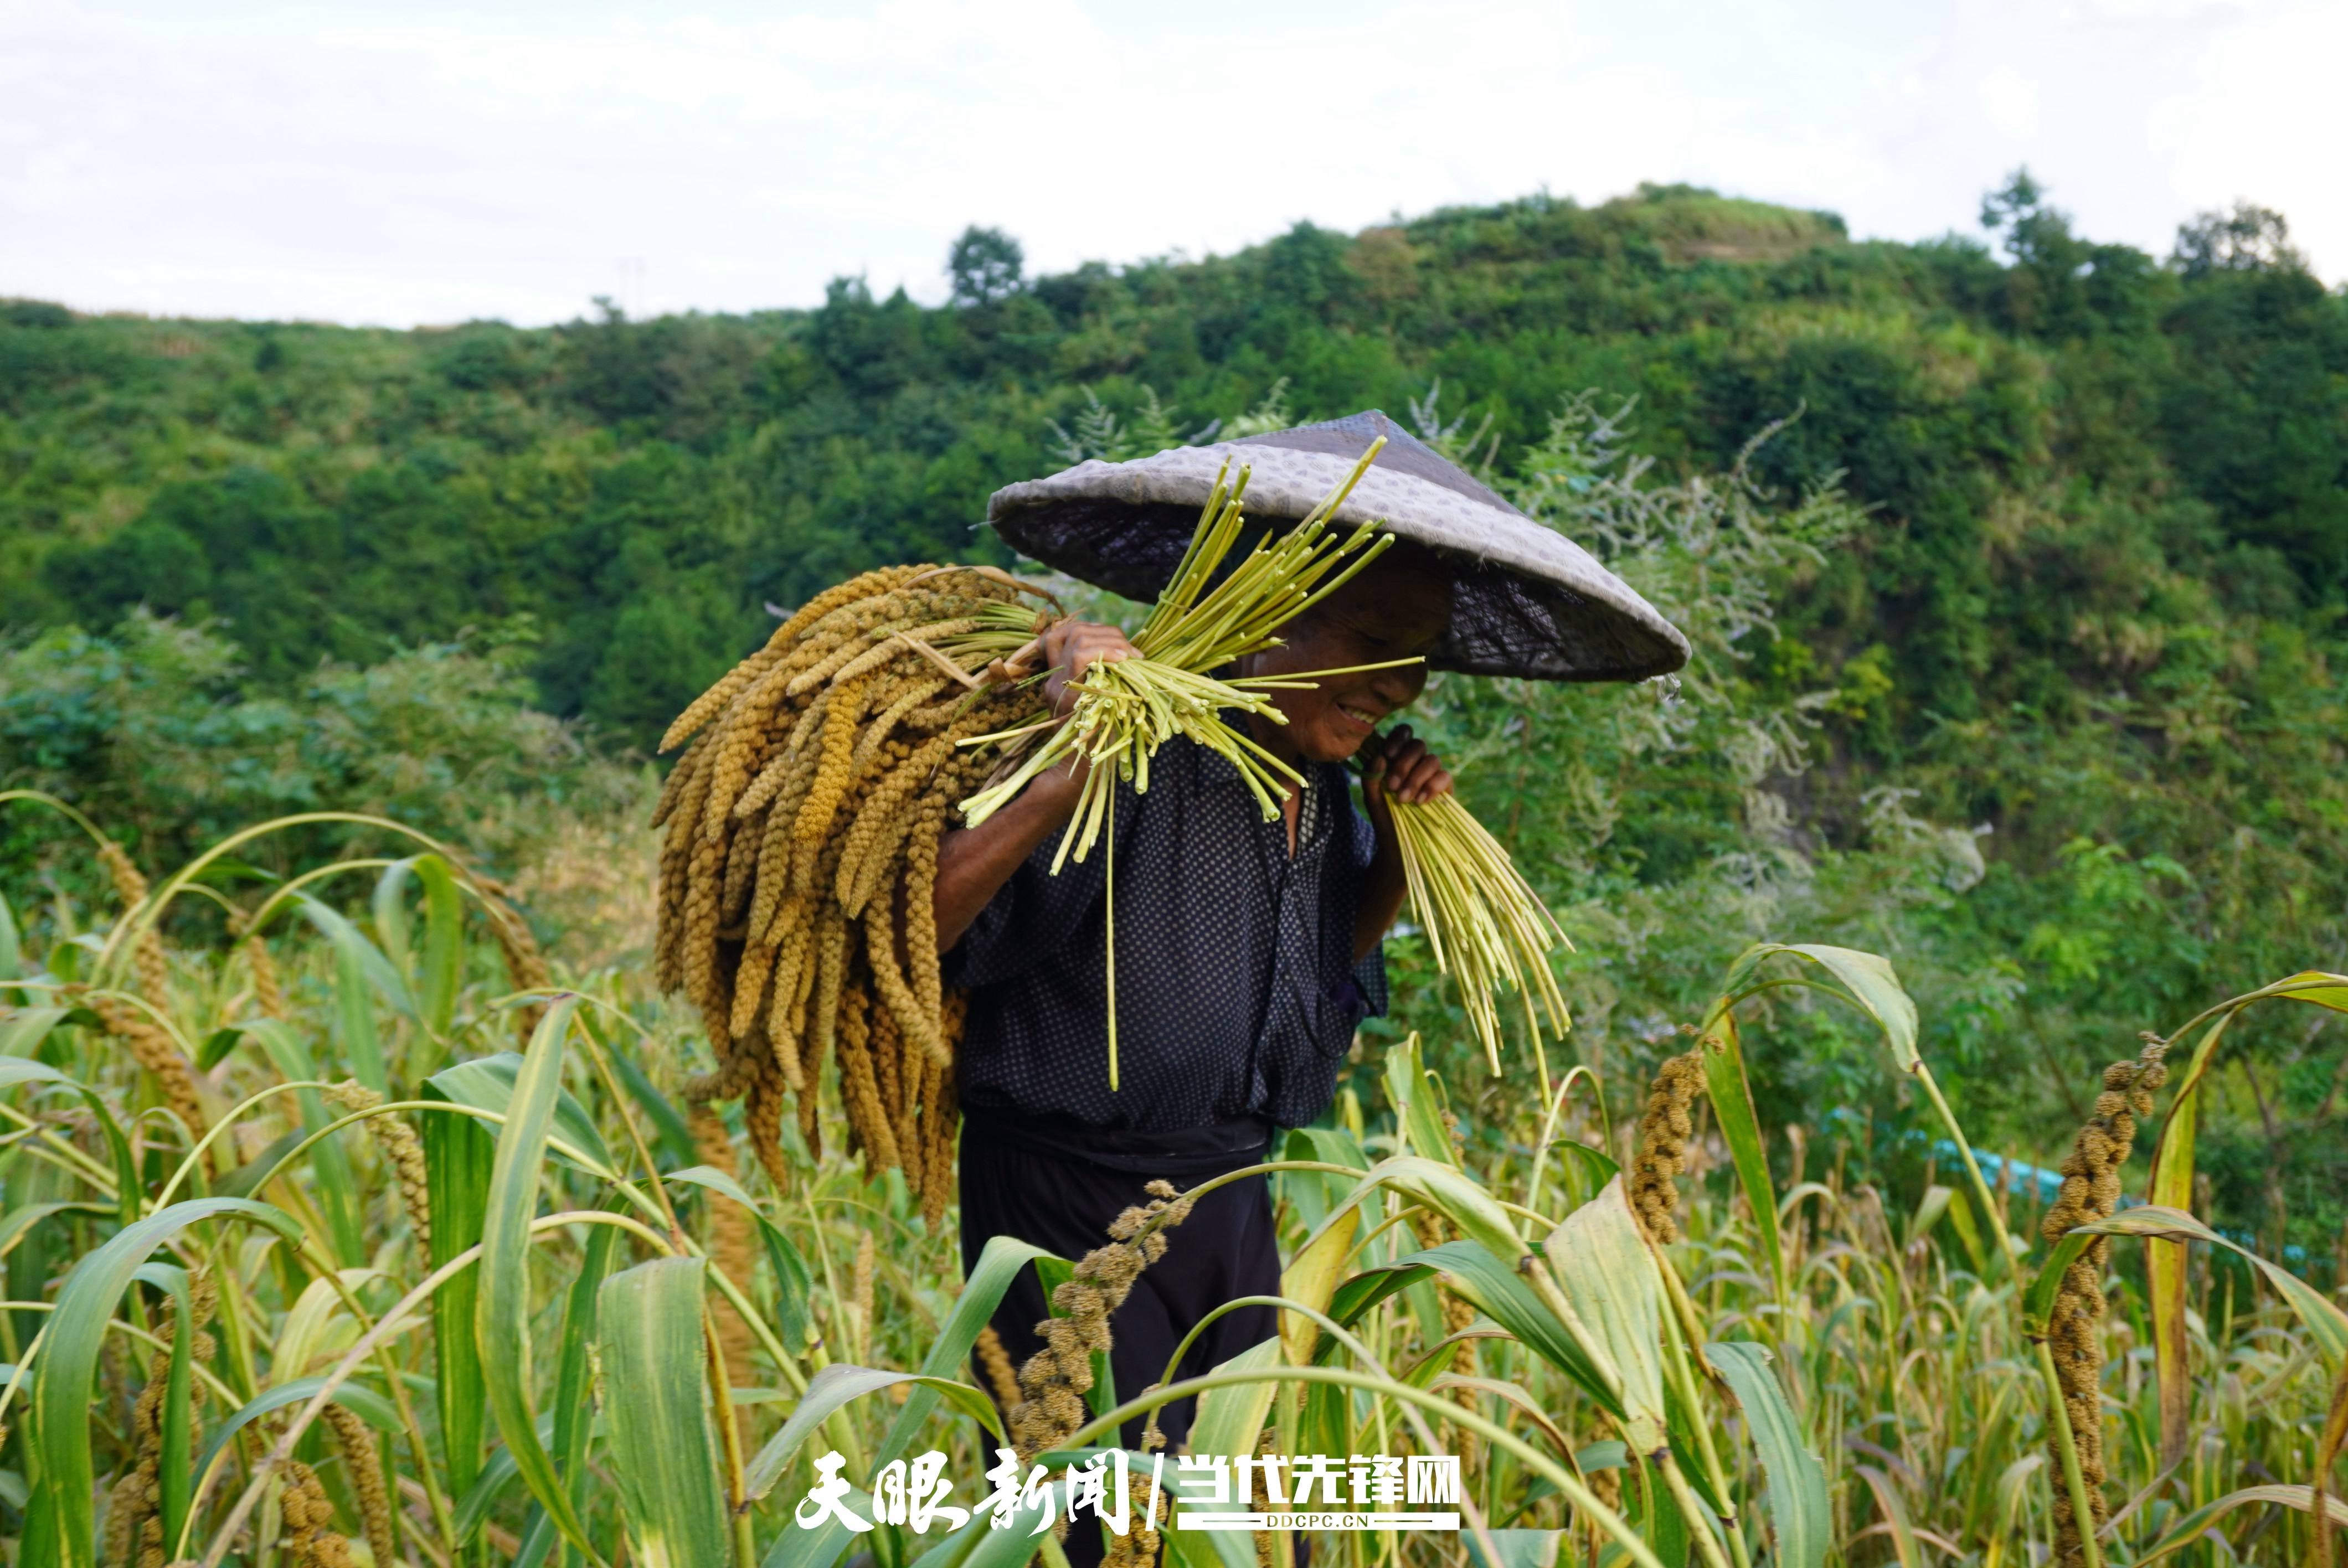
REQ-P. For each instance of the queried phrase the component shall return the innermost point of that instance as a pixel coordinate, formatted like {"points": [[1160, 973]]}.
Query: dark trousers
{"points": [[1013, 1184]]}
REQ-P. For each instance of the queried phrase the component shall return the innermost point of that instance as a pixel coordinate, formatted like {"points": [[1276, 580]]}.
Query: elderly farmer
{"points": [[1251, 947]]}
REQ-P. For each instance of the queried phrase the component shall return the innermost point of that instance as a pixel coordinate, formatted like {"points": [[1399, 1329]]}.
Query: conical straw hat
{"points": [[1526, 600]]}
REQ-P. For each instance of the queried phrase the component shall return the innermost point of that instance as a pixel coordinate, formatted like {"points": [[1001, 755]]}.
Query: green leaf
{"points": [[1500, 1294], [12, 947], [171, 1473], [1798, 1509], [363, 1403], [1583, 1172], [457, 1154], [62, 1396], [649, 1329], [841, 1383], [386, 914], [1364, 1290], [1602, 1265], [21, 1033], [821, 1546], [361, 974], [574, 1403], [487, 1083], [2326, 1324], [1515, 1548], [501, 1315], [1231, 1419], [998, 1265], [1454, 1194], [444, 942], [1867, 979], [979, 1544], [1904, 1544], [1731, 1093], [337, 1188], [793, 1283], [1417, 1115], [2039, 1300], [2194, 1527]]}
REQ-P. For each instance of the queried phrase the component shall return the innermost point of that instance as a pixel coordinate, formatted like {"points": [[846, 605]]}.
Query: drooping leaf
{"points": [[1868, 979], [356, 1398], [487, 1083], [841, 1384], [21, 1033], [1500, 1293], [2326, 1325], [999, 1264], [1417, 1115], [2194, 1527], [62, 1395], [1602, 1265], [792, 1282], [1231, 1419]]}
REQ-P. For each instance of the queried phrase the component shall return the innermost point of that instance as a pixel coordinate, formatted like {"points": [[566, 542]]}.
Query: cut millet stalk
{"points": [[1489, 928], [1126, 709]]}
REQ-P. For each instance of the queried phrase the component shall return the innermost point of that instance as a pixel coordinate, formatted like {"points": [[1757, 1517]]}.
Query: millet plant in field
{"points": [[338, 1228]]}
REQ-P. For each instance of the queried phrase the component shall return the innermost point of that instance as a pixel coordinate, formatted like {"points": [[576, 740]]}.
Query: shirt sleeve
{"points": [[1035, 915]]}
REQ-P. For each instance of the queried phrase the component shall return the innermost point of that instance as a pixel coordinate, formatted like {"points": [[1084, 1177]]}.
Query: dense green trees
{"points": [[2091, 600]]}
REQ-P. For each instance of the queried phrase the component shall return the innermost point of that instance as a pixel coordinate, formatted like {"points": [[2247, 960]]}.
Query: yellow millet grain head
{"points": [[794, 961], [2090, 1192], [809, 1120], [762, 1120], [834, 770], [1662, 1150], [995, 1361], [363, 1472], [154, 1048], [672, 790], [778, 646], [774, 908], [741, 862], [861, 1096], [268, 992], [749, 990]]}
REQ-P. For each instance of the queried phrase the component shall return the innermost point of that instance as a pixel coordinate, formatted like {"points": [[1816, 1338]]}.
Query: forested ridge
{"points": [[2081, 619]]}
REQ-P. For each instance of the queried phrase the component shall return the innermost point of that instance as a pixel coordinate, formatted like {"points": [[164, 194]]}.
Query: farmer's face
{"points": [[1396, 609]]}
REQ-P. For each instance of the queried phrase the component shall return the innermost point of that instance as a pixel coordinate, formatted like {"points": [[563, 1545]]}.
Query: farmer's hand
{"points": [[1400, 767], [1071, 647]]}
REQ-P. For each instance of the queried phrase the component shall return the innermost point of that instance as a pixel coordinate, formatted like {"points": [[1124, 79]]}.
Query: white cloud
{"points": [[397, 163]]}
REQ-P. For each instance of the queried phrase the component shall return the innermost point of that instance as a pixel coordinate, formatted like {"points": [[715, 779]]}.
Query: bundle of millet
{"points": [[800, 854]]}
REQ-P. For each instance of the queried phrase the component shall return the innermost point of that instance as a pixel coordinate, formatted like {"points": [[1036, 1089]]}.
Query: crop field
{"points": [[344, 1227]]}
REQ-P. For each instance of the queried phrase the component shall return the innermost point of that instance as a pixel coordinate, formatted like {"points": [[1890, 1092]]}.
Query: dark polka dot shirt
{"points": [[1236, 987]]}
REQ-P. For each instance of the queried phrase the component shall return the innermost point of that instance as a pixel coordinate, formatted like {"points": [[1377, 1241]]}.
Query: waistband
{"points": [[1207, 1151]]}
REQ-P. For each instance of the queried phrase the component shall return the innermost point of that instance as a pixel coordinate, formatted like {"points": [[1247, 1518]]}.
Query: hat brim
{"points": [[1526, 601]]}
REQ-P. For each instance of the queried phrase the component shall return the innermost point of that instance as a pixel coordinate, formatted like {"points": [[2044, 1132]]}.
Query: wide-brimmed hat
{"points": [[1525, 599]]}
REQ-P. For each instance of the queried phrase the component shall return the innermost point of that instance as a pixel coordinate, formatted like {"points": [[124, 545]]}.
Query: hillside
{"points": [[2094, 608]]}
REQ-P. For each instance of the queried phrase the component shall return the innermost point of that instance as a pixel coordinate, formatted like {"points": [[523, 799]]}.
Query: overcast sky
{"points": [[408, 163]]}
